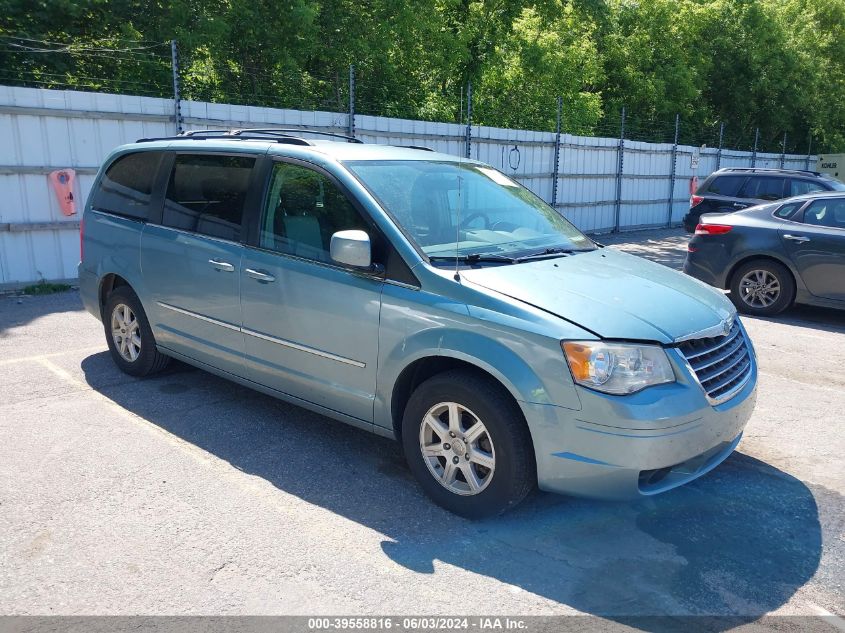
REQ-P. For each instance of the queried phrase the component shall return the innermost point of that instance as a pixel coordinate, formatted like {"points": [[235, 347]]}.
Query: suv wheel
{"points": [[467, 444], [762, 288], [129, 336]]}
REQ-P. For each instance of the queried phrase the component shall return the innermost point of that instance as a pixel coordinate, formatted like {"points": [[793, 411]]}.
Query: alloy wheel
{"points": [[759, 288], [457, 448], [126, 332]]}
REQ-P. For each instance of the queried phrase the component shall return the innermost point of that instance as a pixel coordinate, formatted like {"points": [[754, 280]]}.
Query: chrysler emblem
{"points": [[727, 324]]}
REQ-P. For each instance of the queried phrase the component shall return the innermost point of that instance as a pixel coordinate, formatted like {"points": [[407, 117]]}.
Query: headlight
{"points": [[617, 368]]}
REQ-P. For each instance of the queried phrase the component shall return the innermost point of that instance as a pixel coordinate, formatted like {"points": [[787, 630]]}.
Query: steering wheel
{"points": [[473, 216]]}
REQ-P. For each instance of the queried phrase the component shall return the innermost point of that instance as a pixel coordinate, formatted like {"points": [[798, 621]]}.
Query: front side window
{"points": [[206, 194], [464, 209], [303, 209], [763, 188], [829, 212], [126, 187]]}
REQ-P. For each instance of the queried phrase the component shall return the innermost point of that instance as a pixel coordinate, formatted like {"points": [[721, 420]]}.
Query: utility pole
{"points": [[469, 121], [351, 130], [177, 96], [674, 167], [620, 164], [783, 152], [809, 152], [719, 151], [556, 169], [754, 152]]}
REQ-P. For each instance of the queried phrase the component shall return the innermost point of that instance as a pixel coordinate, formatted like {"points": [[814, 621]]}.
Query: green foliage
{"points": [[774, 64], [44, 288]]}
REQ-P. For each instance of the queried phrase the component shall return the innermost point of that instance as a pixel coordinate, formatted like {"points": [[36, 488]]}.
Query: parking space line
{"points": [[831, 618], [836, 390], [39, 357], [65, 375], [199, 454]]}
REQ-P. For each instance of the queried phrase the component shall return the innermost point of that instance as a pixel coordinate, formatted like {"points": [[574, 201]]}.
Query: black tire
{"points": [[515, 472], [149, 360], [745, 302]]}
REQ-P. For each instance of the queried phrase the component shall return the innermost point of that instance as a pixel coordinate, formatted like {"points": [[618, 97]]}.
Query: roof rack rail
{"points": [[290, 136], [422, 148], [771, 169], [294, 131], [202, 135]]}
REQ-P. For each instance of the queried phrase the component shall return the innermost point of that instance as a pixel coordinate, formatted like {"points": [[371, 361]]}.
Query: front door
{"points": [[817, 247], [310, 325], [192, 260]]}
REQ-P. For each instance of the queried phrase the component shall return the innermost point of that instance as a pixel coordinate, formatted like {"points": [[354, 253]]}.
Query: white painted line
{"points": [[836, 390], [65, 375], [830, 618], [40, 357], [255, 484]]}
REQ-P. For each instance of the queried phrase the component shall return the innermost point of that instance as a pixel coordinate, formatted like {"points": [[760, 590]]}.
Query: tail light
{"points": [[694, 201], [712, 229], [81, 239]]}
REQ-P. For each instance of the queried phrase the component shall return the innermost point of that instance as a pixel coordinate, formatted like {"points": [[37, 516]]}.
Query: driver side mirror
{"points": [[351, 248]]}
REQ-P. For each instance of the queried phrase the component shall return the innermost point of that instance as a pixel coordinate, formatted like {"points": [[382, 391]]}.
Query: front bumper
{"points": [[626, 447]]}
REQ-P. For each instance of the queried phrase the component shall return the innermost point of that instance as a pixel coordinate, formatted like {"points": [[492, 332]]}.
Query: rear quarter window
{"points": [[724, 185], [787, 210], [126, 187], [800, 187]]}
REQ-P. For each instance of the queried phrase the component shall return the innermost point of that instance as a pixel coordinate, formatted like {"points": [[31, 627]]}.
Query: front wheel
{"points": [[467, 444], [762, 288]]}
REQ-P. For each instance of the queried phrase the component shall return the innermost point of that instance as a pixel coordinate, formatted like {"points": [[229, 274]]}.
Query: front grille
{"points": [[722, 364]]}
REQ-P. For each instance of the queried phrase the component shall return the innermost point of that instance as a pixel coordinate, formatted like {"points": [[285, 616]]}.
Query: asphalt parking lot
{"points": [[186, 494]]}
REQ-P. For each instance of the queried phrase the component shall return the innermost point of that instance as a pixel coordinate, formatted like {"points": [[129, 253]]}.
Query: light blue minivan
{"points": [[420, 296]]}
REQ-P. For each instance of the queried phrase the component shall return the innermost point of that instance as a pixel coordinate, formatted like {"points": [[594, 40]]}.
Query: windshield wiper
{"points": [[547, 253], [473, 258]]}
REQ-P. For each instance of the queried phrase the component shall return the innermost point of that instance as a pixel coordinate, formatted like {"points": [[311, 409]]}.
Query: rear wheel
{"points": [[467, 444], [129, 336], [762, 288]]}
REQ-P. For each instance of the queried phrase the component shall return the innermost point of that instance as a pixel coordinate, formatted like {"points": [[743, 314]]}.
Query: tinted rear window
{"points": [[126, 187], [206, 194], [725, 185]]}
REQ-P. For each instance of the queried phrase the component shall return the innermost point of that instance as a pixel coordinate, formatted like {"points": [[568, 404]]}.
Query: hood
{"points": [[613, 294]]}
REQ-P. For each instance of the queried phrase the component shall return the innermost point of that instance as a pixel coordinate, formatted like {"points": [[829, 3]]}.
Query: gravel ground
{"points": [[186, 494]]}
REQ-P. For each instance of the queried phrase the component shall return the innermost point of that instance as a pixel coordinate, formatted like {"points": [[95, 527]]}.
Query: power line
{"points": [[72, 47]]}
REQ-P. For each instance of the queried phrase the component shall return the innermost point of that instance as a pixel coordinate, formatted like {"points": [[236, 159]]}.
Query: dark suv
{"points": [[735, 188]]}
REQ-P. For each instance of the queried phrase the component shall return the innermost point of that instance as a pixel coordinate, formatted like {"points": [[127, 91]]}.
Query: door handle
{"points": [[739, 205], [260, 275], [795, 238], [221, 265]]}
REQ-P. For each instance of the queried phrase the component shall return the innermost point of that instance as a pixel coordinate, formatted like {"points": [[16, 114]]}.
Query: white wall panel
{"points": [[42, 130]]}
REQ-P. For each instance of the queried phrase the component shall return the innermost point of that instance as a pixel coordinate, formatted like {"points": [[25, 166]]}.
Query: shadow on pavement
{"points": [[738, 542], [810, 317], [20, 310]]}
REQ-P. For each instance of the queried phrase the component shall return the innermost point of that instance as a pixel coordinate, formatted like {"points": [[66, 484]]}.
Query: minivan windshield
{"points": [[466, 210]]}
